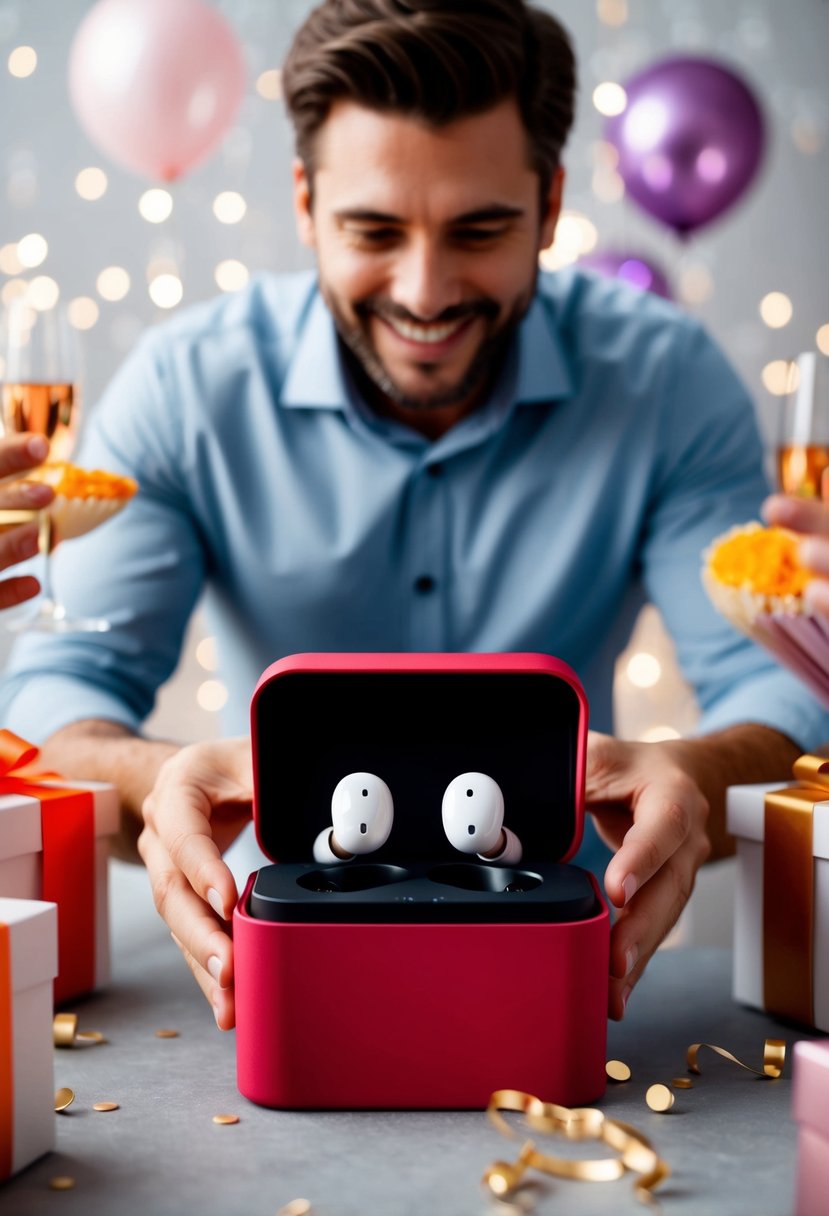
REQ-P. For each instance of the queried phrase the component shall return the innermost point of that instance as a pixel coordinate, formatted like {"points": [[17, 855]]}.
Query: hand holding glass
{"points": [[40, 394]]}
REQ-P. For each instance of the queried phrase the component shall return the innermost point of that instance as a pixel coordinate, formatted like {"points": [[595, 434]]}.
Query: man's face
{"points": [[427, 243]]}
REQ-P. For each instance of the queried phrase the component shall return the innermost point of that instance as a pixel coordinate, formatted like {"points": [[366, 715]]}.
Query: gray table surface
{"points": [[730, 1140]]}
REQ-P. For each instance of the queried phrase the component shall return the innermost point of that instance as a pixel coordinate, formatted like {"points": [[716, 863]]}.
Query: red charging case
{"points": [[417, 976]]}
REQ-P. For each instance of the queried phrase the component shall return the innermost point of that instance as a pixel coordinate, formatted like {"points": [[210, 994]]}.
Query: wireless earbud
{"points": [[473, 819], [362, 813]]}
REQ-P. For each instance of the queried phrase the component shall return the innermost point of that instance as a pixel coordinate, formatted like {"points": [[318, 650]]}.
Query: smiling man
{"points": [[422, 444]]}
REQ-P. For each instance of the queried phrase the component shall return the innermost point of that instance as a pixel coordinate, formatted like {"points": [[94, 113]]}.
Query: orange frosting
{"points": [[762, 560], [72, 481]]}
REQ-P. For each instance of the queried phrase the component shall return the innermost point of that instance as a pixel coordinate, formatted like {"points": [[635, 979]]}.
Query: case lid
{"points": [[417, 721]]}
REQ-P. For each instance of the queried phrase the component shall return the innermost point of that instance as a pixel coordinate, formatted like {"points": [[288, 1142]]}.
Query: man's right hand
{"points": [[18, 454], [200, 802]]}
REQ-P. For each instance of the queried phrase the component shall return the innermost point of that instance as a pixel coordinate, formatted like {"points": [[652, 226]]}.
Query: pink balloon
{"points": [[155, 84]]}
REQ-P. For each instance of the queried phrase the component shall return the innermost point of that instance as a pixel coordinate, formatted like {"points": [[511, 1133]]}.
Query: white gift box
{"points": [[745, 820], [810, 1111], [22, 863], [28, 965]]}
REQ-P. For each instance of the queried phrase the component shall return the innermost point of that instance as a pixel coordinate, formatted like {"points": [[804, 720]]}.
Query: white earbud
{"points": [[362, 813], [473, 819]]}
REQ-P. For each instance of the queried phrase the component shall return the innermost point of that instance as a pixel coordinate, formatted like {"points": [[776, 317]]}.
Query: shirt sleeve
{"points": [[709, 475], [143, 569]]}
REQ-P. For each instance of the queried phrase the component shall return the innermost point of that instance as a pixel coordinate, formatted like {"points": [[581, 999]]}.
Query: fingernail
{"points": [[630, 959], [216, 1012], [35, 492], [215, 901], [629, 887], [214, 966], [37, 447], [625, 996]]}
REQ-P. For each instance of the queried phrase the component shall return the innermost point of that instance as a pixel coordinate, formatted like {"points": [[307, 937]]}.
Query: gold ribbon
{"points": [[774, 1057], [636, 1153], [788, 891]]}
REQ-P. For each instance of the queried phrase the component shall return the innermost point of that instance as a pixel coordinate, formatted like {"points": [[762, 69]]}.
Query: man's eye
{"points": [[373, 236], [472, 236]]}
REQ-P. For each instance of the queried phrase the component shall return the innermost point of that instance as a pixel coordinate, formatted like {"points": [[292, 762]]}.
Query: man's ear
{"points": [[303, 213], [551, 208]]}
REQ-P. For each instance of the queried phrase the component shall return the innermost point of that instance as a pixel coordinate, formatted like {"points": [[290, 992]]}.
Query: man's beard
{"points": [[371, 372]]}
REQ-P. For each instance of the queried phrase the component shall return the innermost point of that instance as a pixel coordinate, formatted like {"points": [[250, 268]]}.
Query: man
{"points": [[424, 445], [18, 535]]}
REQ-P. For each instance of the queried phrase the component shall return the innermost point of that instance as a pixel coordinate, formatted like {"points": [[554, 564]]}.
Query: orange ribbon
{"points": [[788, 891], [68, 872], [6, 1058]]}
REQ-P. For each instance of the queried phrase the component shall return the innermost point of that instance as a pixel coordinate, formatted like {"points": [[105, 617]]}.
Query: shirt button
{"points": [[424, 583], [435, 470]]}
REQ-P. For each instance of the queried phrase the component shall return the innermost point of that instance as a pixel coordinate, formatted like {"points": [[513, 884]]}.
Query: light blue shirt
{"points": [[617, 444]]}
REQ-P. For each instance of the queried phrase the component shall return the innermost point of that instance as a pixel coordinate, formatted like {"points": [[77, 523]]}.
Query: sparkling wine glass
{"points": [[803, 450], [40, 393]]}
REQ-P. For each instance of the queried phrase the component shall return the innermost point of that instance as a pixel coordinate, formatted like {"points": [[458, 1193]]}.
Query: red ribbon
{"points": [[68, 873]]}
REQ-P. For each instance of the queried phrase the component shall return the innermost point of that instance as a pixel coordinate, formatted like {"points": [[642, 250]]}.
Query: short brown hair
{"points": [[437, 60]]}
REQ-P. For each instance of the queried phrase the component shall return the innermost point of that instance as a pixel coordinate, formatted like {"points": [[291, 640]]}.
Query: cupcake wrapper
{"points": [[72, 517], [796, 638]]}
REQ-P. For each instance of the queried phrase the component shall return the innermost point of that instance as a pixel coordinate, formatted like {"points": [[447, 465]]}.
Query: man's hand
{"points": [[18, 542], [654, 815], [811, 517], [199, 804]]}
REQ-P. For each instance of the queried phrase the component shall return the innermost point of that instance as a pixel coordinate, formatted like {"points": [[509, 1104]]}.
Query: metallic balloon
{"points": [[631, 268], [690, 140]]}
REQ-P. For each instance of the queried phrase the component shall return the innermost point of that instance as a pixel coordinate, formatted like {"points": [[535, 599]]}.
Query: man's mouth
{"points": [[426, 334]]}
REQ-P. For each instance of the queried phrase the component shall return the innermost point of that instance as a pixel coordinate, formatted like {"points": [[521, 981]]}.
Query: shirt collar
{"points": [[315, 377]]}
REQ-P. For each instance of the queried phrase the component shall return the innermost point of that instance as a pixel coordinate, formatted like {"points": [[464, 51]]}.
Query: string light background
{"points": [[125, 252]]}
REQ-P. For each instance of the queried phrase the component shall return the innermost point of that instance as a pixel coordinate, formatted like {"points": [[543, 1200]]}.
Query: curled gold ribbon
{"points": [[636, 1153], [774, 1057]]}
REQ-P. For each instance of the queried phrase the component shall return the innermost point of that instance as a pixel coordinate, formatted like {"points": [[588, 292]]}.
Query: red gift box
{"points": [[59, 831]]}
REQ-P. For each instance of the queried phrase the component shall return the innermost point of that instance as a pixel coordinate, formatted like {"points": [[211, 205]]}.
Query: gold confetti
{"points": [[63, 1098], [297, 1207], [61, 1182], [659, 1098], [89, 1036], [682, 1083], [64, 1027], [225, 1118], [105, 1106], [166, 1034], [617, 1070], [580, 1123], [774, 1058]]}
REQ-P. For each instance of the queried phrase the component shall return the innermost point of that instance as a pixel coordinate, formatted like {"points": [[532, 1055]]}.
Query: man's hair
{"points": [[437, 61]]}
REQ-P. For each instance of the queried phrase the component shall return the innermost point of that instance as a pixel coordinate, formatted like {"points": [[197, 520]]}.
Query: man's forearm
{"points": [[739, 755], [106, 751]]}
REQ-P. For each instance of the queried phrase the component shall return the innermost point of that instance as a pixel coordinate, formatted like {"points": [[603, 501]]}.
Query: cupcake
{"points": [[84, 498], [753, 576]]}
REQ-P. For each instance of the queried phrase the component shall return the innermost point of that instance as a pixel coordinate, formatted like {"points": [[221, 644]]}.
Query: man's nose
{"points": [[426, 280]]}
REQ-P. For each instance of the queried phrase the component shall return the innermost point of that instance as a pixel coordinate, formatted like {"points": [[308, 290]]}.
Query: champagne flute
{"points": [[803, 450], [40, 393]]}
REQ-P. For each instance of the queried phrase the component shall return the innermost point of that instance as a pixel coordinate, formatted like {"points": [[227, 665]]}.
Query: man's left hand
{"points": [[653, 814]]}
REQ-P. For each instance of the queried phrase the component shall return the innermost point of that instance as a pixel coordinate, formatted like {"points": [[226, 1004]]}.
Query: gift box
{"points": [[418, 975], [54, 846], [810, 1110], [781, 910], [28, 964]]}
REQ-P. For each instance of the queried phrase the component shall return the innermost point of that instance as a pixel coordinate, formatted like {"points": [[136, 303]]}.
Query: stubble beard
{"points": [[371, 373]]}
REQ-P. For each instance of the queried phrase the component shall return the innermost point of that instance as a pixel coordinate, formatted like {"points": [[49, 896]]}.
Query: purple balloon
{"points": [[690, 140], [631, 268]]}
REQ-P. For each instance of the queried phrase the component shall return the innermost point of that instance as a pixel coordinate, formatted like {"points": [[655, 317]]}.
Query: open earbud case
{"points": [[417, 975]]}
